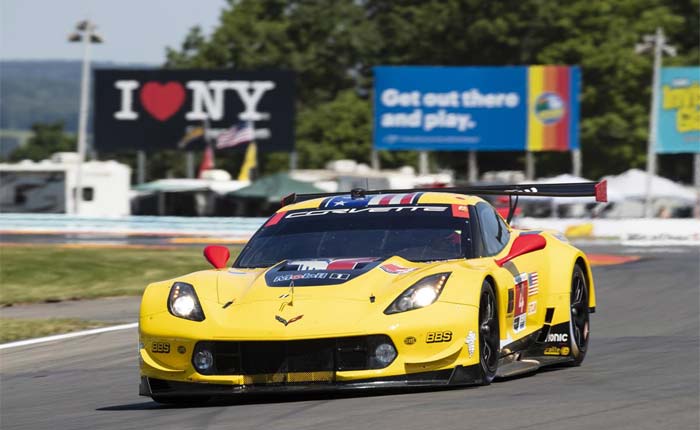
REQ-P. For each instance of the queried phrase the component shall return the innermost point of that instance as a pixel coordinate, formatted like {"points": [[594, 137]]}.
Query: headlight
{"points": [[183, 302], [420, 295]]}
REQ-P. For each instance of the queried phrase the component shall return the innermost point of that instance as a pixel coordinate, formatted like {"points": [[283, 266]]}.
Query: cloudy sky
{"points": [[134, 30]]}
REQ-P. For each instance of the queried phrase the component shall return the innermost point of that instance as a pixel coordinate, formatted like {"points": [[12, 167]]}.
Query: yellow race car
{"points": [[372, 289]]}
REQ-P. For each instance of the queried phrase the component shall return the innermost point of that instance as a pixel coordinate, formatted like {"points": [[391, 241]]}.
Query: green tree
{"points": [[48, 139], [333, 45]]}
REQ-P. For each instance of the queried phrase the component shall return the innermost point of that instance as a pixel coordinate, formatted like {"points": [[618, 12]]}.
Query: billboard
{"points": [[533, 108], [678, 110], [152, 109]]}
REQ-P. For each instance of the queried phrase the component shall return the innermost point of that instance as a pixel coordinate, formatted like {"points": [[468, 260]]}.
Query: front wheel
{"points": [[579, 321], [489, 334]]}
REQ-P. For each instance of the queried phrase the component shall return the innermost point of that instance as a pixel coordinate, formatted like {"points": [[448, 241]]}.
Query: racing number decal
{"points": [[520, 313]]}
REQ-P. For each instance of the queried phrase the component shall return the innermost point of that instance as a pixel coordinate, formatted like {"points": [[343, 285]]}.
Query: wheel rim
{"points": [[579, 311], [488, 330]]}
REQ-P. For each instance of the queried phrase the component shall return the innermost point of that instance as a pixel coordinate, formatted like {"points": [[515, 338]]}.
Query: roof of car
{"points": [[415, 198]]}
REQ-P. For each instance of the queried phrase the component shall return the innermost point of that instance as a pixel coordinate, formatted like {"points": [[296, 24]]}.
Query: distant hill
{"points": [[42, 91]]}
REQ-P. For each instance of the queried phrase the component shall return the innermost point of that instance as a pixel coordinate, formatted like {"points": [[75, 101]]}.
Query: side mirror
{"points": [[217, 255], [523, 244]]}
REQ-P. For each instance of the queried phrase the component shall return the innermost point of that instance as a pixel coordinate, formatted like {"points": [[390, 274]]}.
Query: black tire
{"points": [[181, 400], [489, 334], [579, 321]]}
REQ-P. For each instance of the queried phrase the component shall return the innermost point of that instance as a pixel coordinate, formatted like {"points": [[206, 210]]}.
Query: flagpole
{"points": [[208, 141], [252, 129]]}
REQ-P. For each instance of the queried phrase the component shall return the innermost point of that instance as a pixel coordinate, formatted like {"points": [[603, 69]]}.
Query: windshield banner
{"points": [[533, 108], [679, 111]]}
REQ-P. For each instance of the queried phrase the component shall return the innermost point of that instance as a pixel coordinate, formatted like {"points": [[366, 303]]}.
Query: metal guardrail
{"points": [[237, 227]]}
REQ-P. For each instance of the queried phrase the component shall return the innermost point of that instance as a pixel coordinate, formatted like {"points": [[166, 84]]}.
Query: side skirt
{"points": [[547, 346]]}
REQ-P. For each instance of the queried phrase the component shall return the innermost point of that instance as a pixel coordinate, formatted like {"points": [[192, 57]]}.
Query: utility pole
{"points": [[473, 168], [657, 42], [85, 33]]}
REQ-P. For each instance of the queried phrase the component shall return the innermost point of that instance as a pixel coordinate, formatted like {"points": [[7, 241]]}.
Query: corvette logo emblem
{"points": [[287, 322]]}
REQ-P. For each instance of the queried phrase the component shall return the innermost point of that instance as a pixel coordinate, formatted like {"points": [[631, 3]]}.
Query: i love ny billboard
{"points": [[152, 109]]}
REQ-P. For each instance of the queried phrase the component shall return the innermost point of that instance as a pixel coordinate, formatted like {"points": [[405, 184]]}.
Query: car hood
{"points": [[358, 279]]}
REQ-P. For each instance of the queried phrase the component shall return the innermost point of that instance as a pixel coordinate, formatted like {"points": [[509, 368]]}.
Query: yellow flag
{"points": [[250, 163]]}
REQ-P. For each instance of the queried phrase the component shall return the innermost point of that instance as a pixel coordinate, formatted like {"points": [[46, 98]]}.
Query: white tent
{"points": [[631, 185]]}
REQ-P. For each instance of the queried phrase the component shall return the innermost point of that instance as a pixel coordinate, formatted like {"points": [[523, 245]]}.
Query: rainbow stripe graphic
{"points": [[553, 115]]}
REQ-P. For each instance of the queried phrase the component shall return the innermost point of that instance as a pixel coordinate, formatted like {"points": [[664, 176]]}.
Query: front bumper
{"points": [[429, 342], [460, 375]]}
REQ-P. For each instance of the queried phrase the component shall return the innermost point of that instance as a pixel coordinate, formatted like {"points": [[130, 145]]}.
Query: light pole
{"points": [[658, 43], [85, 33]]}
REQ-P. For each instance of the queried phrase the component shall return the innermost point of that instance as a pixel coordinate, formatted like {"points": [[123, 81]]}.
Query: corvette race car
{"points": [[372, 289]]}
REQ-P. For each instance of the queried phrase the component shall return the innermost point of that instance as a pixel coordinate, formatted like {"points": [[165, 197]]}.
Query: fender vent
{"points": [[548, 317]]}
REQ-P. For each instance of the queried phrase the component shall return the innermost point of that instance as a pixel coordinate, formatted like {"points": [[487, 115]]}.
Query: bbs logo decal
{"points": [[438, 336], [558, 337], [160, 348]]}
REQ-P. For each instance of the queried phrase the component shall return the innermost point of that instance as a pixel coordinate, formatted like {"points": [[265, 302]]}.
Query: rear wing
{"points": [[599, 190]]}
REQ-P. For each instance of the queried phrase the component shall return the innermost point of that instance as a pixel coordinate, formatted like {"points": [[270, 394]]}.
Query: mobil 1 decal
{"points": [[154, 109], [526, 285]]}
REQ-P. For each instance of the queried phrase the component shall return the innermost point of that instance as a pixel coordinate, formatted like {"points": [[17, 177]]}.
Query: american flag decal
{"points": [[534, 284], [339, 202]]}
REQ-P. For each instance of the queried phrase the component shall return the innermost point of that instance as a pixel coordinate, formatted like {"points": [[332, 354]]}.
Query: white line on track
{"points": [[67, 335]]}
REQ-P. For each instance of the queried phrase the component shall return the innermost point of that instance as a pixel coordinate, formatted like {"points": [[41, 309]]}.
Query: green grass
{"points": [[51, 273], [16, 329]]}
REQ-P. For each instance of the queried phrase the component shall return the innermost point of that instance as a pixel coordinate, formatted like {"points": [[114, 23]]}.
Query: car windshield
{"points": [[416, 233]]}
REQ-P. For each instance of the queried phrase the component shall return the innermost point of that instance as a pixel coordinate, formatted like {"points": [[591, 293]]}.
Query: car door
{"points": [[523, 290]]}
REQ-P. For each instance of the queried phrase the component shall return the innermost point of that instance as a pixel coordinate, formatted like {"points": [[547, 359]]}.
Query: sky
{"points": [[135, 31]]}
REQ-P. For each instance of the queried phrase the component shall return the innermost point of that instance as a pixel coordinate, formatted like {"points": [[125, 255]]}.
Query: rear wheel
{"points": [[489, 335], [579, 323]]}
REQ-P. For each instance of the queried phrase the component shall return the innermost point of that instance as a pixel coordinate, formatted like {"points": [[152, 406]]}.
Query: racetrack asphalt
{"points": [[641, 372]]}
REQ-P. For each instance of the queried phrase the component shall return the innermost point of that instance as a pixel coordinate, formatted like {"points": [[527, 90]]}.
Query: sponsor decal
{"points": [[325, 264], [555, 350], [557, 337], [438, 336], [471, 343], [395, 269], [460, 211], [410, 340], [289, 321], [340, 276], [297, 276], [160, 347], [532, 308], [351, 211]]}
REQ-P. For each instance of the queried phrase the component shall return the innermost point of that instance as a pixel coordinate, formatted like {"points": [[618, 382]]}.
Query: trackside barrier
{"points": [[634, 230]]}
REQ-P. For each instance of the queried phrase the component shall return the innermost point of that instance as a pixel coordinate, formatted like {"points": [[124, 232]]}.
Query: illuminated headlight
{"points": [[183, 302], [419, 295]]}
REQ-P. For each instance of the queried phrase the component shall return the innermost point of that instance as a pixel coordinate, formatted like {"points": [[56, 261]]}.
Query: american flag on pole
{"points": [[236, 135]]}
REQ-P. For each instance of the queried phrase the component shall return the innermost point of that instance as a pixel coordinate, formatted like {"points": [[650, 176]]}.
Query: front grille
{"points": [[303, 359]]}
